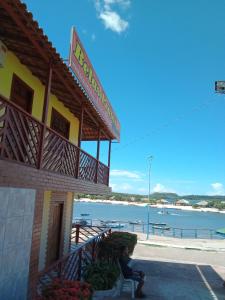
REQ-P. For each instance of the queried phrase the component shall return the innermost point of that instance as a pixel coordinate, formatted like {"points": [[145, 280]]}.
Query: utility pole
{"points": [[150, 158]]}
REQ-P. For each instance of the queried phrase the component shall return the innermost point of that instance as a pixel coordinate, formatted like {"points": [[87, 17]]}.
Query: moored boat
{"points": [[161, 227], [221, 231], [115, 225], [136, 222], [112, 224], [158, 224]]}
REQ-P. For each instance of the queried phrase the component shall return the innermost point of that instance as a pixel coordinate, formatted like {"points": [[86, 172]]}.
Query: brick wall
{"points": [[35, 246], [17, 175]]}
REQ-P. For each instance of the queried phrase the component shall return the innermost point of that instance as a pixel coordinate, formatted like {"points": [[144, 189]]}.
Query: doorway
{"points": [[55, 233]]}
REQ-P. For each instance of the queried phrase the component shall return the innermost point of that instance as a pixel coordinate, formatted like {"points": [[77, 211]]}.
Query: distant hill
{"points": [[204, 197], [168, 196], [171, 197]]}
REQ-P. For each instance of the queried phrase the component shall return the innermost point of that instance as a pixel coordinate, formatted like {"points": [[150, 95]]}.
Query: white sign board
{"points": [[3, 51], [220, 87]]}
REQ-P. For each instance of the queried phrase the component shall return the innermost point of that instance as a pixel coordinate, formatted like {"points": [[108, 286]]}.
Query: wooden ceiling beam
{"points": [[40, 69], [60, 93], [9, 34], [35, 37], [31, 38], [28, 54]]}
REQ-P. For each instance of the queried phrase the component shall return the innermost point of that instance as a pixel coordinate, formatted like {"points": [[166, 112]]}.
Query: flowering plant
{"points": [[67, 290]]}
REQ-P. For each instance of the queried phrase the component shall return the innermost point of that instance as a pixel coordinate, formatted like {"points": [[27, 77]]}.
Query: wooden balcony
{"points": [[27, 141]]}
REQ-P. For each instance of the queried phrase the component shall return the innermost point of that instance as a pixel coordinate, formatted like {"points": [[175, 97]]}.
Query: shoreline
{"points": [[168, 206]]}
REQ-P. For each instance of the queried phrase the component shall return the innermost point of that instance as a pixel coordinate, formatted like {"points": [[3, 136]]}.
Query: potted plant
{"points": [[103, 277], [110, 247]]}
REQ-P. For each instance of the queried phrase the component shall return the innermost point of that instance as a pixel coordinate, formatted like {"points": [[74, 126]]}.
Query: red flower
{"points": [[67, 290]]}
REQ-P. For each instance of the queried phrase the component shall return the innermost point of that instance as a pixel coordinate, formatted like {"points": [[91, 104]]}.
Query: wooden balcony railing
{"points": [[20, 141], [72, 265]]}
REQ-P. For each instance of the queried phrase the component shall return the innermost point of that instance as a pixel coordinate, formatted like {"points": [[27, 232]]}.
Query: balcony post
{"points": [[109, 158], [45, 114], [80, 133], [77, 233], [4, 128], [93, 254], [81, 119], [79, 264], [98, 154]]}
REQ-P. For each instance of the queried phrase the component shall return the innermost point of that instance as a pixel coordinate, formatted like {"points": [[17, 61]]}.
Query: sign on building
{"points": [[85, 73], [220, 87], [3, 51]]}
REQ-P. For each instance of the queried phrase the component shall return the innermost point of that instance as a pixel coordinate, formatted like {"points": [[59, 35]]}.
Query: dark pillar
{"points": [[81, 119], [98, 154], [45, 113], [109, 158], [109, 153], [81, 126]]}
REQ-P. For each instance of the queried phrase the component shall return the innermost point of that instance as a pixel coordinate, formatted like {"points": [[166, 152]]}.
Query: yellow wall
{"points": [[13, 65], [74, 123]]}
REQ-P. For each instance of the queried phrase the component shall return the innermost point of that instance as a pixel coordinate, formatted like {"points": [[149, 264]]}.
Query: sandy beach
{"points": [[168, 206]]}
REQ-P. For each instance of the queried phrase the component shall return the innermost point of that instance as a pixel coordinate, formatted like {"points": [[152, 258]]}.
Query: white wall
{"points": [[16, 224]]}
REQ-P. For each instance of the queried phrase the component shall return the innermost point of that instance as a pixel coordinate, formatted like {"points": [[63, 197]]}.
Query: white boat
{"points": [[163, 212], [136, 222], [112, 224], [115, 225]]}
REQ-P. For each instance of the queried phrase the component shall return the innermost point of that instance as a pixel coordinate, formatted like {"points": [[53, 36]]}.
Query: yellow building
{"points": [[44, 117]]}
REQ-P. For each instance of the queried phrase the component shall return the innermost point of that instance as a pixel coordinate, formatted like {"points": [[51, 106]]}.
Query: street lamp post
{"points": [[150, 158]]}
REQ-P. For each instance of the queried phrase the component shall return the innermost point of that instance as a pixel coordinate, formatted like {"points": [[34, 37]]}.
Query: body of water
{"points": [[175, 218]]}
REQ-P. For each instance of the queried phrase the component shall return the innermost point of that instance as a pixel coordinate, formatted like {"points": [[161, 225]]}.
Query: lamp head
{"points": [[150, 158]]}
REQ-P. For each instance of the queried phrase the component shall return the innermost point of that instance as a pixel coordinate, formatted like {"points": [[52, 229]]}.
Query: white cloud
{"points": [[113, 21], [123, 187], [126, 187], [111, 18], [113, 186], [143, 190], [218, 188], [160, 188], [122, 3], [125, 173]]}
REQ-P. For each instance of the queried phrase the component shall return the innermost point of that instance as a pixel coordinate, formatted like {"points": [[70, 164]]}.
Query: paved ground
{"points": [[180, 274], [159, 253]]}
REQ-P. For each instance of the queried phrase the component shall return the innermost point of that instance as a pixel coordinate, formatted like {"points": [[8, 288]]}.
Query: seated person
{"points": [[129, 273]]}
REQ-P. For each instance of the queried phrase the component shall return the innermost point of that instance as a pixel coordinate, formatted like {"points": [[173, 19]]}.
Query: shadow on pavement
{"points": [[179, 281]]}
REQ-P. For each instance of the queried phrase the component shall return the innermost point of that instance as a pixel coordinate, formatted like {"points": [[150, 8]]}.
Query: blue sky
{"points": [[157, 61]]}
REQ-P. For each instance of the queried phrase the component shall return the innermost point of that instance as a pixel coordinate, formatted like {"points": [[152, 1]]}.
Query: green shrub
{"points": [[101, 275], [110, 247]]}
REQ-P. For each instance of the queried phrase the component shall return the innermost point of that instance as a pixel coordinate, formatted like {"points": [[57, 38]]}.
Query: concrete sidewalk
{"points": [[197, 244]]}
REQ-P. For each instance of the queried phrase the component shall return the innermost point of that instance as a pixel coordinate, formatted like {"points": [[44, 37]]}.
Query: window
{"points": [[21, 94], [60, 124]]}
